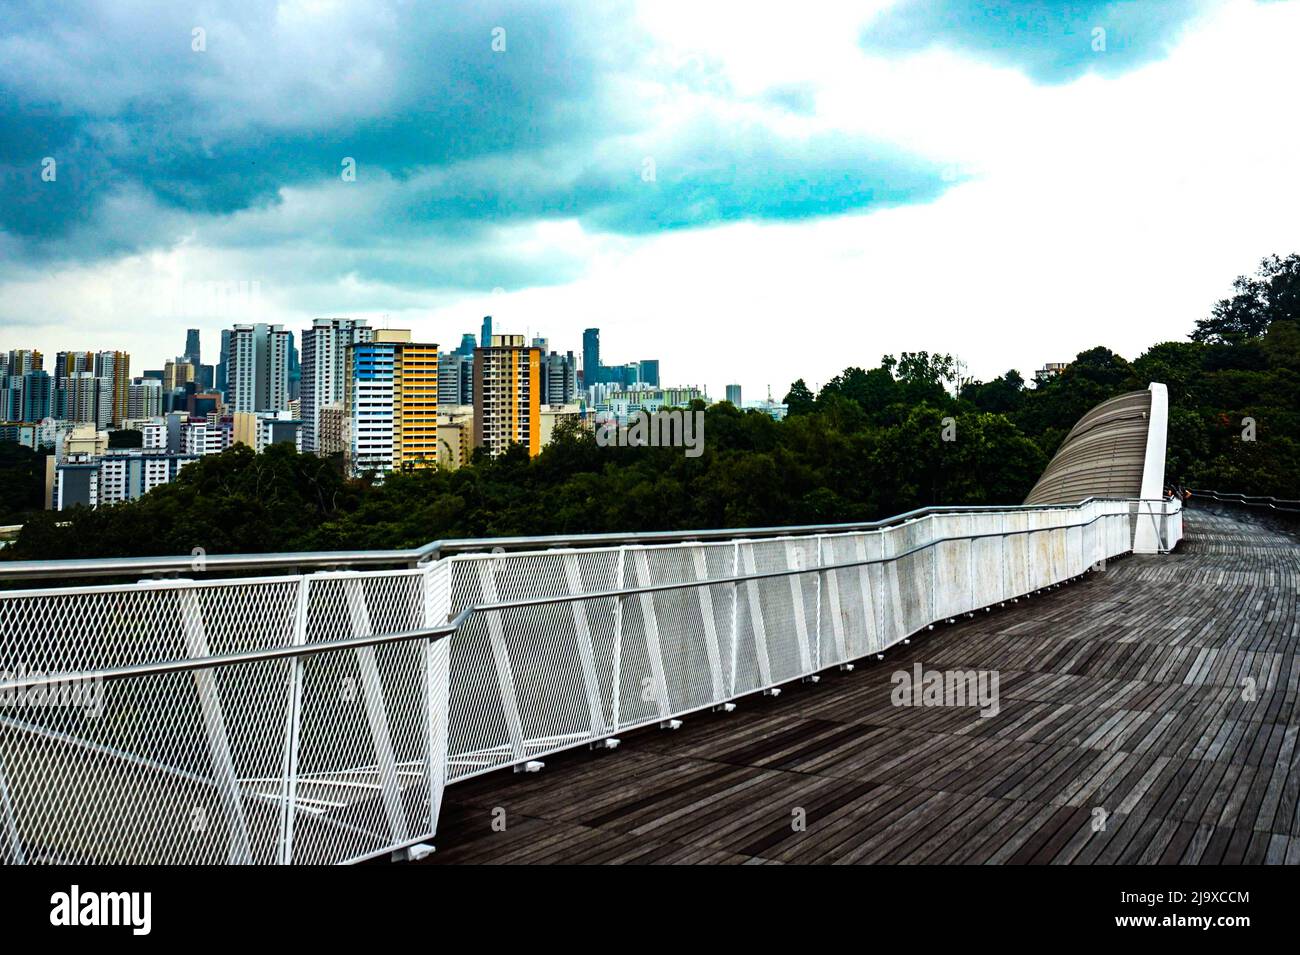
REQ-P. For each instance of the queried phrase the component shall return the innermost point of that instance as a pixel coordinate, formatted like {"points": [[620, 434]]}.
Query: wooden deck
{"points": [[1120, 694]]}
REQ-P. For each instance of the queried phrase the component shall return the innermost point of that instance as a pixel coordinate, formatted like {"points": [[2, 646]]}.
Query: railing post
{"points": [[650, 626], [932, 553], [710, 624], [833, 596], [586, 655], [792, 561], [214, 725], [889, 578], [372, 696], [972, 601], [501, 660], [756, 618], [437, 658], [1002, 559], [618, 639], [293, 724], [13, 854], [735, 616]]}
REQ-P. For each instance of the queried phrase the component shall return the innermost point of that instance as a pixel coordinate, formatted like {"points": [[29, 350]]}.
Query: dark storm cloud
{"points": [[453, 140]]}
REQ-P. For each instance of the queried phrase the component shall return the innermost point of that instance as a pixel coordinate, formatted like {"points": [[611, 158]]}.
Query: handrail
{"points": [[1249, 500], [418, 556], [455, 624]]}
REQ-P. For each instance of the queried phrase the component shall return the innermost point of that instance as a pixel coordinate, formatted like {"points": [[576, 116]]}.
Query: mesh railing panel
{"points": [[324, 757], [342, 753]]}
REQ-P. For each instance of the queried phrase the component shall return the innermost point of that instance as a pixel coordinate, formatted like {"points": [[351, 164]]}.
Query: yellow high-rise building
{"points": [[415, 405], [507, 387]]}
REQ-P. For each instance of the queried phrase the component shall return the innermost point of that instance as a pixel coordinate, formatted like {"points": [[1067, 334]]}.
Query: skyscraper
{"points": [[38, 394], [415, 405], [258, 370], [115, 366], [591, 370], [223, 360], [85, 397], [733, 394], [391, 403], [20, 361], [650, 371], [294, 370], [144, 399], [324, 362], [507, 386], [456, 378], [559, 378], [486, 335], [192, 347]]}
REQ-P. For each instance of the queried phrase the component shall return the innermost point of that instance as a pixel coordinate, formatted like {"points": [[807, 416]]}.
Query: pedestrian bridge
{"points": [[244, 714], [1147, 715], [340, 707]]}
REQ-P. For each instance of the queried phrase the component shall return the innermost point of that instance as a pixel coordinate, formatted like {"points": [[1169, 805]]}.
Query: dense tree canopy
{"points": [[872, 442]]}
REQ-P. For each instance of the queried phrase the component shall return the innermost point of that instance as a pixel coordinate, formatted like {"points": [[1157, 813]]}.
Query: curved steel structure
{"points": [[1115, 450]]}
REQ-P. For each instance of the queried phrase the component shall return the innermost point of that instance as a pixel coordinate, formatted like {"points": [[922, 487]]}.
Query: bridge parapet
{"points": [[318, 717]]}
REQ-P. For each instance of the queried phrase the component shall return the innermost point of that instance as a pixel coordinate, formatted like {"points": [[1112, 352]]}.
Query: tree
{"points": [[799, 399], [1274, 295], [22, 482]]}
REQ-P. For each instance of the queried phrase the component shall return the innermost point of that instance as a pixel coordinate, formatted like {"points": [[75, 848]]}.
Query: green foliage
{"points": [[22, 482], [1272, 295]]}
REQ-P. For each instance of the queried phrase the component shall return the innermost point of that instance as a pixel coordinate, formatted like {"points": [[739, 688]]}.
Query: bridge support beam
{"points": [[1149, 536]]}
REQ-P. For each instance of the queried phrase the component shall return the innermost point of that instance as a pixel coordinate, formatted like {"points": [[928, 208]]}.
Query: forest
{"points": [[871, 443]]}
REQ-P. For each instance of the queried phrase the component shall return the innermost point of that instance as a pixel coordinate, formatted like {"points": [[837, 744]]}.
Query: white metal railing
{"points": [[317, 717]]}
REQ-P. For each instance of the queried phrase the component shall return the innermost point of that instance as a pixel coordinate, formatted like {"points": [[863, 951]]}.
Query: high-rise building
{"points": [[38, 396], [116, 367], [70, 362], [507, 389], [222, 364], [591, 370], [295, 370], [330, 430], [11, 398], [192, 347], [324, 360], [391, 403], [486, 335], [144, 398], [258, 368], [176, 375], [415, 406], [22, 360], [559, 373], [733, 394], [456, 378], [85, 397], [649, 368]]}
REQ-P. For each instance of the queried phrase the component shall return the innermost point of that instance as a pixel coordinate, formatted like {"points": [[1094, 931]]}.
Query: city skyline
{"points": [[886, 180]]}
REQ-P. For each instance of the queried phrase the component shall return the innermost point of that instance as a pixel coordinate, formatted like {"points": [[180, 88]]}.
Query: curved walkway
{"points": [[1147, 713]]}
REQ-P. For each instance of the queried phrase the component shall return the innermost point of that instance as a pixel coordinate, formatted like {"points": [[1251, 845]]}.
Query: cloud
{"points": [[1051, 41], [461, 119]]}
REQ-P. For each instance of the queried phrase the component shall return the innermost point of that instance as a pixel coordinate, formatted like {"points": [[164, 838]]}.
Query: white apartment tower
{"points": [[258, 373], [324, 363]]}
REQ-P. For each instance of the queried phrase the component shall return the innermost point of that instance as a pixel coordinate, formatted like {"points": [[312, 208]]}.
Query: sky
{"points": [[751, 192]]}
